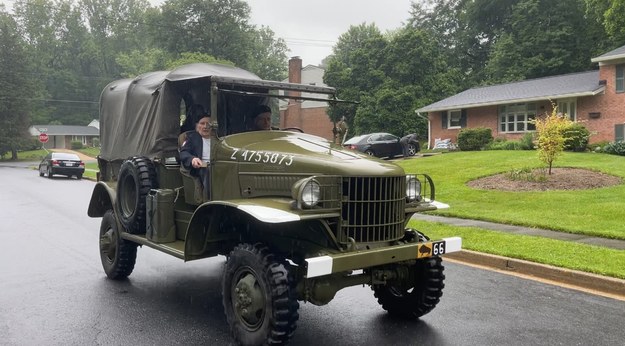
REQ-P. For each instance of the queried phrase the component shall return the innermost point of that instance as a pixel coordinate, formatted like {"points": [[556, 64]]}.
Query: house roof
{"points": [[547, 88], [65, 130], [617, 54]]}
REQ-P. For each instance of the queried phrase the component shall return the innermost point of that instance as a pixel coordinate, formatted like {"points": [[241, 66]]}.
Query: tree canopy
{"points": [[77, 47], [16, 86], [63, 52], [448, 46]]}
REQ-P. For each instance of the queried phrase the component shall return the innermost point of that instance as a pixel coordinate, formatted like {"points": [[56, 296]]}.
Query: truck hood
{"points": [[292, 152]]}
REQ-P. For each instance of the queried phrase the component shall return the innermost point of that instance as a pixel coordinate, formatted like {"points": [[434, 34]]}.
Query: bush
{"points": [[576, 137], [474, 139], [616, 148], [503, 145], [598, 147], [527, 142], [76, 145], [95, 142], [527, 174]]}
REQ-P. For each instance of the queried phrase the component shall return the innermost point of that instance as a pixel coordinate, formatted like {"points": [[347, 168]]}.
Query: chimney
{"points": [[295, 70], [292, 116]]}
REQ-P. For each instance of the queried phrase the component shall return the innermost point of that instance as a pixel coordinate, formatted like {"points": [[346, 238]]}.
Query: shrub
{"points": [[95, 142], [616, 148], [527, 142], [76, 145], [474, 139], [598, 147], [527, 174], [503, 145], [550, 136], [576, 137]]}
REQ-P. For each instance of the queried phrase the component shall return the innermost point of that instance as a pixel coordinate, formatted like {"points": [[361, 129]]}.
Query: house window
{"points": [[453, 121], [620, 78], [568, 107], [517, 117], [81, 139]]}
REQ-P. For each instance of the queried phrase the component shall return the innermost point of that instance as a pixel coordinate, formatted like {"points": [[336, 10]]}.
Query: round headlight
{"points": [[310, 193], [413, 189]]}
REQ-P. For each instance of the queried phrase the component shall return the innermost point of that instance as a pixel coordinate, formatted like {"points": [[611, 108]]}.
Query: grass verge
{"points": [[582, 257]]}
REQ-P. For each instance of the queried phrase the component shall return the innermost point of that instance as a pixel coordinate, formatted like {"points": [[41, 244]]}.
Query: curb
{"points": [[612, 287]]}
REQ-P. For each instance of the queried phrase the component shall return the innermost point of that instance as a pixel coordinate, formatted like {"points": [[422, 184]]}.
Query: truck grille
{"points": [[373, 209]]}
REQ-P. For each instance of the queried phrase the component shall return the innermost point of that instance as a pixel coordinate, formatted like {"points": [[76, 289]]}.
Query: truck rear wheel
{"points": [[258, 297], [415, 299], [118, 255], [136, 177]]}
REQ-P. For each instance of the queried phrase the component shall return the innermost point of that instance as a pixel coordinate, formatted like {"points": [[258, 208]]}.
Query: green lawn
{"points": [[31, 155], [593, 212], [597, 212], [93, 152]]}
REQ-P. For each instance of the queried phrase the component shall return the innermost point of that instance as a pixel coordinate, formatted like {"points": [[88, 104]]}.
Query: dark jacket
{"points": [[192, 147]]}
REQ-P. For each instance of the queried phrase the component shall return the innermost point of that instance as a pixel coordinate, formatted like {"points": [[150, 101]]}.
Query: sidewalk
{"points": [[606, 286], [577, 238]]}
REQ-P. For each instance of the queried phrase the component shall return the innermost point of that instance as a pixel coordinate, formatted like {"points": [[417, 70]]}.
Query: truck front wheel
{"points": [[258, 296], [415, 299], [118, 255]]}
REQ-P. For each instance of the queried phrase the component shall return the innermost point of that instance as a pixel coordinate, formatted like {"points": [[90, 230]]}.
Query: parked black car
{"points": [[377, 144], [63, 164]]}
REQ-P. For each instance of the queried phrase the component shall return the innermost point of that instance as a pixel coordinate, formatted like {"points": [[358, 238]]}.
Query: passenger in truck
{"points": [[195, 152]]}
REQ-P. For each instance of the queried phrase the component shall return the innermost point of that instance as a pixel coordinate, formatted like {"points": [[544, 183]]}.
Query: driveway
{"points": [[81, 155]]}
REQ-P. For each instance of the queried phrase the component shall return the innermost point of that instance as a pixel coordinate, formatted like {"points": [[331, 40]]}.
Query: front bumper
{"points": [[335, 263]]}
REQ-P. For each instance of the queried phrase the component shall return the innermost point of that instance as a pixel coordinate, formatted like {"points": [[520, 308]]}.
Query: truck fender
{"points": [[102, 199], [270, 211]]}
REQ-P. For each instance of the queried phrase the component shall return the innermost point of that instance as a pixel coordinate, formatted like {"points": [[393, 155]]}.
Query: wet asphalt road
{"points": [[54, 292]]}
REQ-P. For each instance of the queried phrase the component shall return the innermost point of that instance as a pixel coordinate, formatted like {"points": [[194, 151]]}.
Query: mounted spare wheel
{"points": [[136, 177]]}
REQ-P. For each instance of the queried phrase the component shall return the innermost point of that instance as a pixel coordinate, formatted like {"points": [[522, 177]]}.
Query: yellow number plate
{"points": [[430, 249]]}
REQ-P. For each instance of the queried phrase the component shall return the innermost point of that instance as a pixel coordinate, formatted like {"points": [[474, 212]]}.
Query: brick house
{"points": [[310, 116], [594, 98]]}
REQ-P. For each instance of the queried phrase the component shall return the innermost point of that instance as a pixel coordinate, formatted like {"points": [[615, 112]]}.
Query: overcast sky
{"points": [[311, 27]]}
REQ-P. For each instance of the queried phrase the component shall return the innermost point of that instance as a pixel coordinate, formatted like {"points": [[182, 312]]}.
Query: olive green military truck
{"points": [[296, 217]]}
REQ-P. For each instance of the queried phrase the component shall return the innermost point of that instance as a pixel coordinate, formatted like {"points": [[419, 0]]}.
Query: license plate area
{"points": [[429, 249]]}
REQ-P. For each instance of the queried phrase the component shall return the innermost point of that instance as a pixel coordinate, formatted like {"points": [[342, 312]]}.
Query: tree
{"points": [[137, 62], [539, 41], [118, 26], [355, 68], [220, 28], [268, 55], [189, 58], [390, 76], [15, 86], [610, 14], [550, 135], [64, 59]]}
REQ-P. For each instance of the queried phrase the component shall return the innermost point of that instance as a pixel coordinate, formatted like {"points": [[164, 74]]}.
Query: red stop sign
{"points": [[43, 138]]}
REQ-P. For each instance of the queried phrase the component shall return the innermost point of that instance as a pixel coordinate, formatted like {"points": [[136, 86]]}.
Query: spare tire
{"points": [[136, 177]]}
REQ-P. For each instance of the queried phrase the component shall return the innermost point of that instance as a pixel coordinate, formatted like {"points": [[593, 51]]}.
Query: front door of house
{"points": [[568, 107]]}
